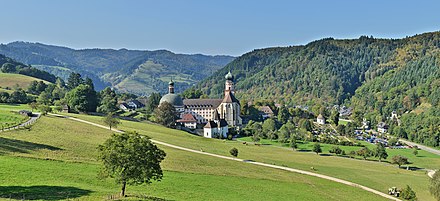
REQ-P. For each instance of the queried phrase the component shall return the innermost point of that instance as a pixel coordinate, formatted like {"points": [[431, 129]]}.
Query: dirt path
{"points": [[250, 162]]}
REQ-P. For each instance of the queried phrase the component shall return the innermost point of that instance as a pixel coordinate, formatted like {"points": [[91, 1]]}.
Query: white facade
{"points": [[320, 119]]}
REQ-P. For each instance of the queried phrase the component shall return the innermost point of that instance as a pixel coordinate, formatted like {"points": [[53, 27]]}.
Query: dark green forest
{"points": [[8, 65], [373, 76]]}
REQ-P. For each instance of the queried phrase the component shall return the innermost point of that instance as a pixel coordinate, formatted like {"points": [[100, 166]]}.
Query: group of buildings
{"points": [[216, 116]]}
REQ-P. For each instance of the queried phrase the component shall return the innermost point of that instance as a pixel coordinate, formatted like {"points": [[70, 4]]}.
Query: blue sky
{"points": [[230, 27]]}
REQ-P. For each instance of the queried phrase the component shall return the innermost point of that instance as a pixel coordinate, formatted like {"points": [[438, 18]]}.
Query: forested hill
{"points": [[135, 71], [8, 65], [374, 76], [326, 71]]}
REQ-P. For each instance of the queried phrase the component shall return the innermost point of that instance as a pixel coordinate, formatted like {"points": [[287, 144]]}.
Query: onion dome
{"points": [[229, 76]]}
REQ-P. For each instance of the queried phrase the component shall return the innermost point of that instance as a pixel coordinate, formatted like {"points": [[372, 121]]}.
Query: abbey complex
{"points": [[215, 115]]}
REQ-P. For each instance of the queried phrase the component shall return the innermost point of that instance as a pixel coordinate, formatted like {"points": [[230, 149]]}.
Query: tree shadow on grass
{"points": [[41, 192], [11, 145]]}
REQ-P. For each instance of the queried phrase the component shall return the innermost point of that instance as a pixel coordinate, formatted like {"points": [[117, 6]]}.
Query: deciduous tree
{"points": [[131, 159]]}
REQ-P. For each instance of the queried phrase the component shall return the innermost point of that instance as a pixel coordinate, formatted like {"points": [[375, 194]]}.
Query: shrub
{"points": [[234, 152], [408, 194]]}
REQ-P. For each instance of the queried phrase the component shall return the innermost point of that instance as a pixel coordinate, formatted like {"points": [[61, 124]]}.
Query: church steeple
{"points": [[229, 85], [171, 87]]}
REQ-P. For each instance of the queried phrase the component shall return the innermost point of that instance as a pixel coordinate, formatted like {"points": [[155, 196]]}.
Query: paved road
{"points": [[422, 147], [32, 120], [251, 162]]}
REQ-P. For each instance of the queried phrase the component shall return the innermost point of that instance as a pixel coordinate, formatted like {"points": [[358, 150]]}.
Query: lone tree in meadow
{"points": [[399, 160], [364, 153], [111, 121], [317, 148], [131, 159]]}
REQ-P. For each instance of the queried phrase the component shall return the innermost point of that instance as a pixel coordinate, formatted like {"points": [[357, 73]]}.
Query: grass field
{"points": [[9, 116], [379, 176], [12, 80], [56, 159]]}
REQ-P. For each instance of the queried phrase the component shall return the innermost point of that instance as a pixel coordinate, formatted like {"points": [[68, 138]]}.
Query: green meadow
{"points": [[56, 160], [371, 173]]}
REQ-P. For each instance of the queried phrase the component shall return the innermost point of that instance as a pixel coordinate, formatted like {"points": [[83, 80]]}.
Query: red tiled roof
{"points": [[187, 118]]}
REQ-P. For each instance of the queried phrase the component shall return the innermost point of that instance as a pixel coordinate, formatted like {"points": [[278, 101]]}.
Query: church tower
{"points": [[171, 87], [229, 84], [230, 107]]}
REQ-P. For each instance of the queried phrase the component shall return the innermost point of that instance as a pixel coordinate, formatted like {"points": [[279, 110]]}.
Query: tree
{"points": [[18, 96], [153, 101], [33, 106], [268, 126], [166, 114], [399, 160], [44, 109], [380, 152], [364, 153], [415, 150], [74, 80], [256, 136], [434, 186], [234, 152], [89, 82], [108, 101], [111, 121], [408, 194], [131, 159], [336, 150], [82, 98], [317, 148], [393, 141], [334, 117], [293, 144], [283, 115], [357, 117], [306, 124], [44, 98]]}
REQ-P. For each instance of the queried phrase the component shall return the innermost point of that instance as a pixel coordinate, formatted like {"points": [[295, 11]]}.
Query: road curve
{"points": [[29, 122], [250, 162]]}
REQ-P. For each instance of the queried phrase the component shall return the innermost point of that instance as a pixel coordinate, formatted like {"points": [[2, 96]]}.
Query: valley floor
{"points": [[56, 159]]}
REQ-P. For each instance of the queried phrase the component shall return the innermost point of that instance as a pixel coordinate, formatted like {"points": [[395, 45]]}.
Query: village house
{"points": [[188, 121], [135, 104], [382, 127], [124, 106], [320, 119], [266, 112]]}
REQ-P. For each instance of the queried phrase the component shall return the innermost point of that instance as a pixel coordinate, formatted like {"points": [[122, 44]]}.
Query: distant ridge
{"points": [[136, 71]]}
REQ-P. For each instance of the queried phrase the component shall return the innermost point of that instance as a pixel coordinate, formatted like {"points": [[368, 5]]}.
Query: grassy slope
{"points": [[71, 148], [12, 80], [376, 175], [11, 117]]}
